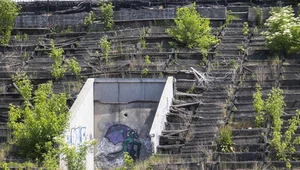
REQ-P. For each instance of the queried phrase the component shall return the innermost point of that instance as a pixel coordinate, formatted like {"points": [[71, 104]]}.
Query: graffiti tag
{"points": [[78, 135]]}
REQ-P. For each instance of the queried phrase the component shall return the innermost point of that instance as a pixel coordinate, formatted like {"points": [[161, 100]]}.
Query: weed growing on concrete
{"points": [[25, 37], [68, 30], [229, 19], [233, 64], [241, 49], [105, 47], [246, 29], [145, 72], [225, 143], [89, 20], [147, 61], [255, 30], [160, 46], [258, 104], [142, 38]]}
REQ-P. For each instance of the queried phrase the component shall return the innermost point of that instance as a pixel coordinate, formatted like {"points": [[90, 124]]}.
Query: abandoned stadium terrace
{"points": [[207, 95]]}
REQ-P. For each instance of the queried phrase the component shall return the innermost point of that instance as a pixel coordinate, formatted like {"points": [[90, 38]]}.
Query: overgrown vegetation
{"points": [[75, 156], [147, 61], [272, 109], [246, 29], [142, 38], [37, 127], [129, 163], [229, 19], [9, 10], [106, 12], [258, 104], [283, 31], [89, 20], [7, 165], [59, 67], [34, 127], [225, 143], [192, 30], [105, 47]]}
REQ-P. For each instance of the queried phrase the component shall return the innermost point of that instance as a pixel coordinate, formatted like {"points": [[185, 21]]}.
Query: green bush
{"points": [[283, 31], [192, 30], [258, 104], [73, 66], [246, 29], [106, 12], [225, 139], [105, 47], [9, 10], [35, 126], [142, 38], [59, 67], [89, 20]]}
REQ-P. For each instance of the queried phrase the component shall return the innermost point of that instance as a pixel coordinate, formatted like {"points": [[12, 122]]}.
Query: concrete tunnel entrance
{"points": [[124, 115]]}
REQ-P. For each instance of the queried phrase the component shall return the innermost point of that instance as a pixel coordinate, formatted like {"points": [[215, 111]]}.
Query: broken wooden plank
{"points": [[187, 104]]}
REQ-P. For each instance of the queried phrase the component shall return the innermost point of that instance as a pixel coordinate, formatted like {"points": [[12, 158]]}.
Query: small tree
{"points": [[89, 20], [9, 10], [192, 30], [105, 47], [35, 127], [59, 67], [258, 104], [273, 107], [38, 128], [283, 31], [106, 12]]}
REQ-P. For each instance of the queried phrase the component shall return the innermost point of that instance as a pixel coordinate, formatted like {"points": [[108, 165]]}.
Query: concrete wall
{"points": [[168, 13], [47, 20], [81, 126], [252, 14], [124, 112], [42, 21], [160, 116]]}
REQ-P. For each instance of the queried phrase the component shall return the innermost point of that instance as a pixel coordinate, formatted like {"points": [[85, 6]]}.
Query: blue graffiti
{"points": [[78, 136]]}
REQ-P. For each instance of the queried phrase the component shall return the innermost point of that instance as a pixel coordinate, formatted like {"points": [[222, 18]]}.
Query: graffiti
{"points": [[148, 145], [104, 148], [117, 139], [108, 125], [129, 138], [78, 135]]}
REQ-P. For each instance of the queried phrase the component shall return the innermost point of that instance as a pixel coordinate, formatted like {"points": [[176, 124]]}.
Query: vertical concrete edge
{"points": [[78, 113], [81, 96], [160, 116]]}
